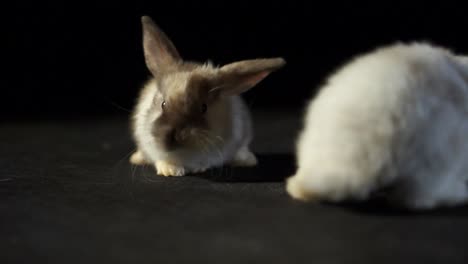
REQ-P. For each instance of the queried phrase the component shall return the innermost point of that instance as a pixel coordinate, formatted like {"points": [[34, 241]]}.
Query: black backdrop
{"points": [[72, 60]]}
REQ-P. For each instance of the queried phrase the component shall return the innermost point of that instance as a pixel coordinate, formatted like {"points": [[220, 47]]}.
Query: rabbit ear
{"points": [[238, 77], [160, 53]]}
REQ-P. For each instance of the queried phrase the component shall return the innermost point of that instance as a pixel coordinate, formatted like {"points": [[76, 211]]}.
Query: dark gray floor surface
{"points": [[68, 195]]}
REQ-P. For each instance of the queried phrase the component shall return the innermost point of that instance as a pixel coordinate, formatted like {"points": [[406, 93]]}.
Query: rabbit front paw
{"points": [[165, 168], [297, 191], [138, 158], [244, 158], [200, 170]]}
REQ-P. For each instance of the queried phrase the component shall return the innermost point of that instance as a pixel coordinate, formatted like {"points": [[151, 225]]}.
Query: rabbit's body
{"points": [[397, 117], [230, 123], [190, 117]]}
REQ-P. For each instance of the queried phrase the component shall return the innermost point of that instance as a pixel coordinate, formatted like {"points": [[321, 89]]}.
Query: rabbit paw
{"points": [[200, 170], [244, 158], [137, 158], [296, 190], [165, 168]]}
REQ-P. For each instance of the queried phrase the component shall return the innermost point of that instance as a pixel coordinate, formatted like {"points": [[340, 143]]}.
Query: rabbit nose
{"points": [[176, 135], [181, 134], [171, 139]]}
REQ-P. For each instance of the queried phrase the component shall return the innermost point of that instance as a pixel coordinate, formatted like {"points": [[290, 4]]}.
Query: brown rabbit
{"points": [[189, 116]]}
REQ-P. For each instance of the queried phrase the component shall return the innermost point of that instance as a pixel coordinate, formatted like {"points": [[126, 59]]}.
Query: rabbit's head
{"points": [[188, 91]]}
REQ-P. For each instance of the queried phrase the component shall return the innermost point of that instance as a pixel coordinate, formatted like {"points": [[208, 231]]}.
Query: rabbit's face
{"points": [[183, 101]]}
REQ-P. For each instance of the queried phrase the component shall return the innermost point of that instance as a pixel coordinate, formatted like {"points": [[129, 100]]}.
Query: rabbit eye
{"points": [[204, 108], [163, 104]]}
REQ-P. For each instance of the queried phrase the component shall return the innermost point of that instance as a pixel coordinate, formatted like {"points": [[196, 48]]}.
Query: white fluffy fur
{"points": [[396, 116]]}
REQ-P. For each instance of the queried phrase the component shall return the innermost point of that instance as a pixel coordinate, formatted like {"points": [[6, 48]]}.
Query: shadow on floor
{"points": [[277, 167], [379, 205], [270, 168]]}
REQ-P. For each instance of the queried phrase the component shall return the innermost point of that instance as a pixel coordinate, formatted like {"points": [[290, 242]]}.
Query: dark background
{"points": [[69, 195], [70, 61]]}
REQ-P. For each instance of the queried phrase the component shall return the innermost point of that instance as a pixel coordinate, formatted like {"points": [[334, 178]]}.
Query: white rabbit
{"points": [[189, 116], [396, 116]]}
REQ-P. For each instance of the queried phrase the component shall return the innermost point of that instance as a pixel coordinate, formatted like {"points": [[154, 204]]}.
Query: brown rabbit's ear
{"points": [[160, 53], [238, 77]]}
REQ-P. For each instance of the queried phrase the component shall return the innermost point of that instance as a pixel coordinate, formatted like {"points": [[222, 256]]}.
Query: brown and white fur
{"points": [[190, 117], [396, 116]]}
